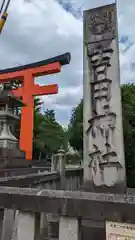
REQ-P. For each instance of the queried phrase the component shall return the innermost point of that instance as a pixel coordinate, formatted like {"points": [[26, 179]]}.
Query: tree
{"points": [[37, 105], [75, 128], [128, 108], [50, 114], [128, 111], [48, 133], [37, 145], [53, 134]]}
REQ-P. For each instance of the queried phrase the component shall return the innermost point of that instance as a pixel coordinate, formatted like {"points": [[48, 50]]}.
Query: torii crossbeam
{"points": [[26, 74]]}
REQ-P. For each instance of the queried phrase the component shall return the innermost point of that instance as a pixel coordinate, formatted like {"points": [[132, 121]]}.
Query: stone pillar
{"points": [[61, 160], [58, 164], [44, 227], [68, 229], [53, 226], [14, 233], [87, 108], [1, 221], [8, 224], [26, 226], [37, 230], [54, 163], [104, 163], [58, 161]]}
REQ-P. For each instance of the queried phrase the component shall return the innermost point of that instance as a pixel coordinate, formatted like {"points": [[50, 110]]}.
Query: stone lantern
{"points": [[58, 161], [10, 155], [58, 165]]}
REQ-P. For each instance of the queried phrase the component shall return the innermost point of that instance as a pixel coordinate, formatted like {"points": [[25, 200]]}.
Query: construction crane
{"points": [[3, 13]]}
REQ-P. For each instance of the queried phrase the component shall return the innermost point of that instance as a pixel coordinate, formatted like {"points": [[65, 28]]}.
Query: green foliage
{"points": [[128, 106], [37, 105], [73, 159], [75, 128], [48, 133]]}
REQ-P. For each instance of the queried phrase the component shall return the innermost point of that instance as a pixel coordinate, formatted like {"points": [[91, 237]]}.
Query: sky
{"points": [[40, 29]]}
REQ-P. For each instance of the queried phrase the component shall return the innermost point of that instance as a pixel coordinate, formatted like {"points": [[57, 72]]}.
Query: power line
{"points": [[7, 5], [2, 5]]}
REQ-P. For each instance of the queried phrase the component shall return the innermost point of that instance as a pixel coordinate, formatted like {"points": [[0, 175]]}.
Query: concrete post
{"points": [[54, 163], [37, 229], [8, 224], [44, 227], [58, 164], [26, 226], [14, 233], [58, 161], [1, 221], [61, 160], [53, 226], [68, 228]]}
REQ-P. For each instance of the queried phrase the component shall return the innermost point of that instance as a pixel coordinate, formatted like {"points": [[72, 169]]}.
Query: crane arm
{"points": [[4, 14]]}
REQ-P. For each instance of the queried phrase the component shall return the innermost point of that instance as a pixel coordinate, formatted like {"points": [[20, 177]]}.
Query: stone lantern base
{"points": [[13, 158]]}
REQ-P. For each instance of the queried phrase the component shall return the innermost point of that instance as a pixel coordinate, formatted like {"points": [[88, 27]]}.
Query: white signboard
{"points": [[120, 231]]}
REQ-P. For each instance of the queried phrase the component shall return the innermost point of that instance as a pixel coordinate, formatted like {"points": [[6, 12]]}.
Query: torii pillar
{"points": [[27, 73]]}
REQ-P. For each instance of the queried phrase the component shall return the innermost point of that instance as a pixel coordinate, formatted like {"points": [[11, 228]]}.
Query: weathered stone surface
{"points": [[101, 23], [26, 226], [73, 204], [10, 154], [92, 233], [50, 180], [8, 224], [33, 179], [11, 172], [68, 228], [117, 188], [11, 158], [104, 163]]}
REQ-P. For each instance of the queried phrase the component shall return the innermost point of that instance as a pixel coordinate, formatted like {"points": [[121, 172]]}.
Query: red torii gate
{"points": [[26, 74]]}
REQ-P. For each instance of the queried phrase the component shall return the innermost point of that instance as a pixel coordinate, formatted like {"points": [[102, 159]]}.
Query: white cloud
{"points": [[86, 4], [39, 29], [66, 98], [63, 102], [126, 28]]}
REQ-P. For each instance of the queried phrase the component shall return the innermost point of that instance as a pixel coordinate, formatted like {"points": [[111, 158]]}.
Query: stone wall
{"points": [[22, 171], [72, 180], [13, 224], [38, 214]]}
